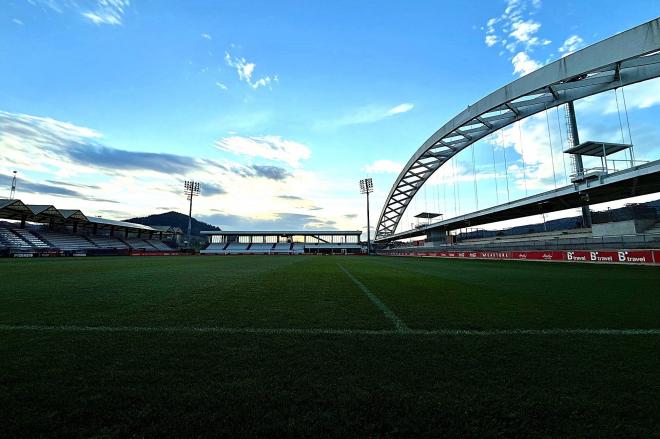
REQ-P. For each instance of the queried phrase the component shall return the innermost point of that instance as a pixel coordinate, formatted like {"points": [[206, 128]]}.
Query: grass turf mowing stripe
{"points": [[398, 323], [327, 331]]}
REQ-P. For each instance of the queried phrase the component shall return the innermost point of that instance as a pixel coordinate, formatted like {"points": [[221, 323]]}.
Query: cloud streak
{"points": [[267, 147], [366, 115], [276, 221], [59, 190]]}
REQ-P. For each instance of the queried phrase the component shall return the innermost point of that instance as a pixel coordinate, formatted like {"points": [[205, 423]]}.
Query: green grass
{"points": [[115, 384]]}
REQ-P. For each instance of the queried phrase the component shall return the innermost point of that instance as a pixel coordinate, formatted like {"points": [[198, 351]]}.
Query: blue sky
{"points": [[279, 108]]}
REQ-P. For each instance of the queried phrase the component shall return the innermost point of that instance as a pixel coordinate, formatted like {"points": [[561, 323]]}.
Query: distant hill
{"points": [[175, 219]]}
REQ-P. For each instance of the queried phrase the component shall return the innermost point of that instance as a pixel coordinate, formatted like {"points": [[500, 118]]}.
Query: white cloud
{"points": [[524, 31], [383, 167], [516, 32], [65, 164], [107, 12], [245, 71], [267, 147], [401, 108], [571, 44], [491, 40], [523, 64], [206, 36], [364, 115], [17, 21], [221, 85], [99, 12]]}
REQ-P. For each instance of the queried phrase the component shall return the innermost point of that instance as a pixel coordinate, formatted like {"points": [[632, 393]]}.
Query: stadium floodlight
{"points": [[367, 187], [12, 191], [192, 190]]}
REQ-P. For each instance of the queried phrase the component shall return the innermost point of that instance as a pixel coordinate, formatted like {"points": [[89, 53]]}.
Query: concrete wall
{"points": [[630, 227]]}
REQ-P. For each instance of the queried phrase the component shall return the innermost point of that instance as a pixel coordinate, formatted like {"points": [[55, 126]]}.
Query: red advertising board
{"points": [[591, 256]]}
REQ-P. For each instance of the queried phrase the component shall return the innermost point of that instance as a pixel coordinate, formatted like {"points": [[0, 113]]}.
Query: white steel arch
{"points": [[626, 58]]}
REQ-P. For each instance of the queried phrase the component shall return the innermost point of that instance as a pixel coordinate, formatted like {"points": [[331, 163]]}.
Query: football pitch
{"points": [[319, 346]]}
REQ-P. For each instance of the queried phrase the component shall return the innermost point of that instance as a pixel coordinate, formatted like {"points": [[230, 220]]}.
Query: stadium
{"points": [[532, 310]]}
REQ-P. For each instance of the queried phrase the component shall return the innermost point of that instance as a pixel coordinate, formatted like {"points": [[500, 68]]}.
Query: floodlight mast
{"points": [[12, 191], [191, 189], [367, 187]]}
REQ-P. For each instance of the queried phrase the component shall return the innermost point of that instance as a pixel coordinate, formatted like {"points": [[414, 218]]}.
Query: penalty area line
{"points": [[329, 331], [398, 323]]}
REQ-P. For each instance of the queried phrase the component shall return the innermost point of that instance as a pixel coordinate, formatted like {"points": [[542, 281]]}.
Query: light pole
{"points": [[191, 190], [12, 191], [367, 187]]}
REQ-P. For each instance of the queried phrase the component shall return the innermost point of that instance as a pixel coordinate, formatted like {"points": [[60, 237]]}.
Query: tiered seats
{"points": [[66, 241], [159, 245], [11, 240], [107, 242], [328, 245], [136, 243], [236, 247], [282, 247], [32, 239], [536, 237], [654, 230], [214, 248], [260, 248], [298, 248]]}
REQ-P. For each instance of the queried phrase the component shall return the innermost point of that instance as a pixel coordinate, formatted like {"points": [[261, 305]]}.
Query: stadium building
{"points": [[283, 242], [40, 230]]}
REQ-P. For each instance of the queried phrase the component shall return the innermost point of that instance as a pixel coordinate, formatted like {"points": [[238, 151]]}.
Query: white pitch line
{"points": [[398, 323], [328, 331]]}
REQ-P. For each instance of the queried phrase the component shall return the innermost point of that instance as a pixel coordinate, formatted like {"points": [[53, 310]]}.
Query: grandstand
{"points": [[635, 226], [283, 242], [32, 230]]}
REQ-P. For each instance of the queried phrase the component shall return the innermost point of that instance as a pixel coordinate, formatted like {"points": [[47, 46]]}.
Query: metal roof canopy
{"points": [[13, 209], [597, 149], [17, 210], [282, 232], [44, 213], [73, 214], [108, 223], [627, 58], [428, 215]]}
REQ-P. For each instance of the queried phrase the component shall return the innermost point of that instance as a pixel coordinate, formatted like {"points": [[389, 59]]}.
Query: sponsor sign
{"points": [[588, 256]]}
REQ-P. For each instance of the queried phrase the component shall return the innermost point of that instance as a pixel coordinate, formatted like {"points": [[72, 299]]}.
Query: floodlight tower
{"points": [[367, 187], [191, 190], [12, 191]]}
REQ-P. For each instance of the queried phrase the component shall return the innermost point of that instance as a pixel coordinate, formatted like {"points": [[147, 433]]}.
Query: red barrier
{"points": [[592, 256]]}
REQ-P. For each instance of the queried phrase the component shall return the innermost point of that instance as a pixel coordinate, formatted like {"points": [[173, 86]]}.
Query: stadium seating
{"points": [[140, 244], [159, 245], [217, 247], [283, 248], [12, 240], [331, 246], [65, 241], [260, 248], [106, 242], [654, 230], [236, 247], [32, 239], [39, 238]]}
